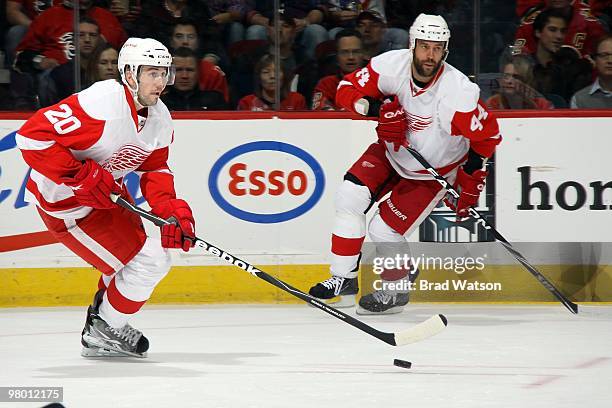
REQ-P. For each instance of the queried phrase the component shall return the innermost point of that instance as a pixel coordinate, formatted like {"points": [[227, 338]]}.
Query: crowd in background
{"points": [[527, 54]]}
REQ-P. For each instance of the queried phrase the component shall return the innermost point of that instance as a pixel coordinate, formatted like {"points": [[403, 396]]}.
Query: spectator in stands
{"points": [[184, 33], [371, 26], [63, 75], [19, 15], [265, 88], [158, 18], [549, 31], [344, 13], [185, 94], [102, 64], [598, 7], [602, 9], [526, 7], [48, 44], [301, 69], [349, 55], [127, 11], [228, 15], [212, 78], [287, 34], [598, 94], [308, 16], [400, 15], [516, 87], [559, 70], [582, 32], [24, 11]]}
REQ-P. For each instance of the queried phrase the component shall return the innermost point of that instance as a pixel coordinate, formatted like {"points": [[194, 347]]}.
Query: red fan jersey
{"points": [[445, 118], [583, 31], [51, 32], [324, 94], [212, 78], [98, 123], [293, 101]]}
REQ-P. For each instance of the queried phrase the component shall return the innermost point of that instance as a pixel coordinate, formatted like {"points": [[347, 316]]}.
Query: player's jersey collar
{"points": [[416, 91], [130, 101], [139, 120]]}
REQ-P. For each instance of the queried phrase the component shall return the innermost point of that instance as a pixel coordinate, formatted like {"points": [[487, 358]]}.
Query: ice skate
{"points": [[101, 340], [382, 302], [336, 287]]}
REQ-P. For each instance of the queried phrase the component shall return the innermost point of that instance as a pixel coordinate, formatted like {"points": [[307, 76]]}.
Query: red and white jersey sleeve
{"points": [[376, 80], [462, 113], [357, 85], [99, 123]]}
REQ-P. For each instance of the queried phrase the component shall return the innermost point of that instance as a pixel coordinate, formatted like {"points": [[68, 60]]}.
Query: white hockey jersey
{"points": [[98, 123], [445, 118]]}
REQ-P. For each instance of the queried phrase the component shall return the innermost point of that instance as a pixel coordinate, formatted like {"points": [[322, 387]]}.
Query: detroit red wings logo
{"points": [[128, 157], [418, 123]]}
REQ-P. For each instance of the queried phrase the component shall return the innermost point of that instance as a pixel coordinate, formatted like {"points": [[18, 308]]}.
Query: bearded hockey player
{"points": [[435, 109]]}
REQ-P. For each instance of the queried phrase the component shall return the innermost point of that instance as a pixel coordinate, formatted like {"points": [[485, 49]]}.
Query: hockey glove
{"points": [[469, 187], [181, 232], [92, 186], [392, 124]]}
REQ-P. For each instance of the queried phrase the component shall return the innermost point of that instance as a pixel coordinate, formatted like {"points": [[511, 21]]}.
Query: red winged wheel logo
{"points": [[418, 123], [129, 157]]}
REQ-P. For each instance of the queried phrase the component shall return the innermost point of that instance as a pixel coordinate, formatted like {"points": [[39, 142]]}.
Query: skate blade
{"points": [[340, 302], [95, 352], [96, 344], [392, 310]]}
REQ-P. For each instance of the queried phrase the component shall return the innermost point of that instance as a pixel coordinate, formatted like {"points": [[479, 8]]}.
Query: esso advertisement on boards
{"points": [[266, 182]]}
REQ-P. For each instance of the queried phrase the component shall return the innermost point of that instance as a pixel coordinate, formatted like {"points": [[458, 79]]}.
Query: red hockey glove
{"points": [[181, 232], [469, 187], [392, 124], [92, 186]]}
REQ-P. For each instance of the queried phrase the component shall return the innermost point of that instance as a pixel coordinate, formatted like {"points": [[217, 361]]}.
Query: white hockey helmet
{"points": [[137, 52], [431, 28]]}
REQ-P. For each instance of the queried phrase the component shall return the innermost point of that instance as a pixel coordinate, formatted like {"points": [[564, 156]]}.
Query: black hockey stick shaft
{"points": [[571, 306], [388, 338]]}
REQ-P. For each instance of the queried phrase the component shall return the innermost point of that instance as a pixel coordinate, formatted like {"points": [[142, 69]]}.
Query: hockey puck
{"points": [[402, 363]]}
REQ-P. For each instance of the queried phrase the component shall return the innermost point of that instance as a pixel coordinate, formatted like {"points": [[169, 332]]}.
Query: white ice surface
{"points": [[296, 356]]}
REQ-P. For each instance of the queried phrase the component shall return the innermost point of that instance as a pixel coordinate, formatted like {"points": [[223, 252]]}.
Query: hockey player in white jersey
{"points": [[436, 110], [79, 150]]}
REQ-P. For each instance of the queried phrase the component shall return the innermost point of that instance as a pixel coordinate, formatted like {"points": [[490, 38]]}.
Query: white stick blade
{"points": [[430, 327], [603, 312]]}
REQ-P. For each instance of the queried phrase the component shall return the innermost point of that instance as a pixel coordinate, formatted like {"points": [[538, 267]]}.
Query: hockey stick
{"points": [[572, 307], [421, 331]]}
